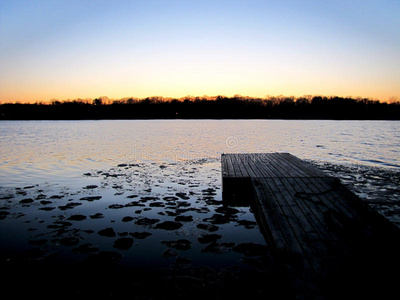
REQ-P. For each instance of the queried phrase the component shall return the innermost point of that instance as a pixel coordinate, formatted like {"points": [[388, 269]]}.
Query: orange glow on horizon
{"points": [[140, 49], [181, 97]]}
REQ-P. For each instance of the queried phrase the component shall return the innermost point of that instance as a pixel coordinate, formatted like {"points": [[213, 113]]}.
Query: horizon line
{"points": [[108, 100]]}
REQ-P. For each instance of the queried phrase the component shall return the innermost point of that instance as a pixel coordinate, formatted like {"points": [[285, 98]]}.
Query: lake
{"points": [[144, 196], [38, 151]]}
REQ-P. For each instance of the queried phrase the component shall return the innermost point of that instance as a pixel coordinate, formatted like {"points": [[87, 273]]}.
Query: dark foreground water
{"points": [[163, 224], [117, 208]]}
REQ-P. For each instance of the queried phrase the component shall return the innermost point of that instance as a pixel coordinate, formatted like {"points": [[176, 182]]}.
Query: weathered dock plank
{"points": [[313, 217]]}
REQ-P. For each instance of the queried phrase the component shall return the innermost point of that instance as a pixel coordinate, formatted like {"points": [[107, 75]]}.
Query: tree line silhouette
{"points": [[217, 107]]}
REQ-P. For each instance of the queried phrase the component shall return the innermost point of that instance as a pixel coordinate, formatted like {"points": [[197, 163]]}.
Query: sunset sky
{"points": [[86, 49]]}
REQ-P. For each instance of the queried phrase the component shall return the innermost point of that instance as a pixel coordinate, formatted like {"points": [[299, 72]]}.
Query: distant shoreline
{"points": [[220, 107]]}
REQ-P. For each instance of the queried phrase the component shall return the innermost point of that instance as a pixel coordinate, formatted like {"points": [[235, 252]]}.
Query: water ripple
{"points": [[61, 150]]}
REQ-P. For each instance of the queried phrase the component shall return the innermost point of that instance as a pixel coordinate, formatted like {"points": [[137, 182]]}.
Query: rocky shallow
{"points": [[143, 224], [153, 231], [379, 187]]}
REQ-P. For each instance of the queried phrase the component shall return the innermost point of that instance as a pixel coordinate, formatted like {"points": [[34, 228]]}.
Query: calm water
{"points": [[101, 191], [60, 151]]}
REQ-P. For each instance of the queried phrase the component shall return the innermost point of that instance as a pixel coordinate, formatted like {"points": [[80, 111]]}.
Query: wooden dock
{"points": [[334, 242]]}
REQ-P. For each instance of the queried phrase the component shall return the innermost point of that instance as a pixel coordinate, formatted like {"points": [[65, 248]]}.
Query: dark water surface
{"points": [[144, 199]]}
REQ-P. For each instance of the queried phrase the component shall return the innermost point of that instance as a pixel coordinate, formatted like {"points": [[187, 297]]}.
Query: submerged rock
{"points": [[90, 187], [209, 238], [247, 224], [227, 210], [183, 203], [212, 201], [91, 198], [29, 187], [77, 218], [157, 204], [109, 232], [26, 201], [123, 243], [45, 202], [251, 249], [70, 205], [3, 214], [183, 196], [97, 216], [169, 225], [209, 192], [47, 208], [140, 235]]}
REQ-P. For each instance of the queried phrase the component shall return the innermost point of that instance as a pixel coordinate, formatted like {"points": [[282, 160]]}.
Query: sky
{"points": [[56, 49]]}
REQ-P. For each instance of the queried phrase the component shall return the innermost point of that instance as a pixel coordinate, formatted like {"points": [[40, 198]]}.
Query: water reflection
{"points": [[33, 151]]}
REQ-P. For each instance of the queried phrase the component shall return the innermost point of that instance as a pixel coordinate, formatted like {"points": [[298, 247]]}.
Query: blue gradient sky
{"points": [[86, 49]]}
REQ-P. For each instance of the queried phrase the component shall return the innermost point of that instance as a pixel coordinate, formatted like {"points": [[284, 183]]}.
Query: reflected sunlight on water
{"points": [[33, 151]]}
